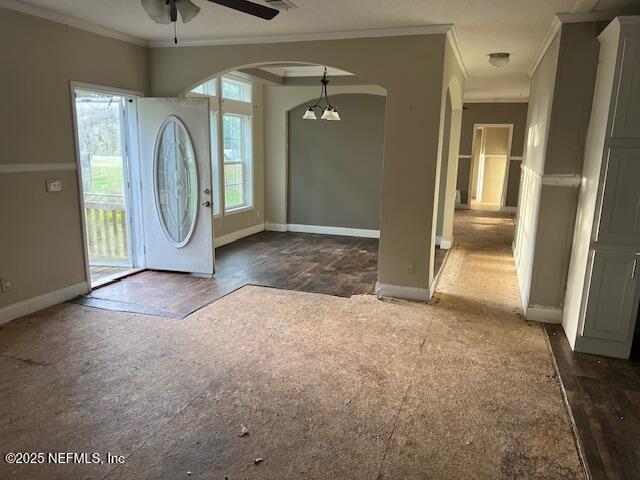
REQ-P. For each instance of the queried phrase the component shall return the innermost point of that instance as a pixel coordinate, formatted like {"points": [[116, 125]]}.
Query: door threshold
{"points": [[109, 279]]}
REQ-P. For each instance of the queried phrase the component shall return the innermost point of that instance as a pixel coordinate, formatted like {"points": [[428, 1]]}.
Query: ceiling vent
{"points": [[281, 4]]}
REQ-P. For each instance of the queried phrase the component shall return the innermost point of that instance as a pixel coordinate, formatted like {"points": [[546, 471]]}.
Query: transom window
{"points": [[234, 89], [207, 88]]}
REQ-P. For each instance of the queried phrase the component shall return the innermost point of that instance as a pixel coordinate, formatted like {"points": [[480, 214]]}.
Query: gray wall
{"points": [[335, 168]]}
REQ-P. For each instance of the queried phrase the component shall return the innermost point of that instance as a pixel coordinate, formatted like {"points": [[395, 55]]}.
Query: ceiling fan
{"points": [[166, 11]]}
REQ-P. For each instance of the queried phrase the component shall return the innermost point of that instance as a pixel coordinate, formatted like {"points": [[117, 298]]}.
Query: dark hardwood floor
{"points": [[333, 265], [604, 397]]}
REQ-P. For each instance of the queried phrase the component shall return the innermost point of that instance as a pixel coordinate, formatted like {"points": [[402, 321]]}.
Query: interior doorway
{"points": [[490, 166], [103, 143]]}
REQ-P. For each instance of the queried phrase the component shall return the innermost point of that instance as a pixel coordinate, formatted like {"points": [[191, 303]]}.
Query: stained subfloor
{"points": [[328, 264], [327, 386], [604, 395]]}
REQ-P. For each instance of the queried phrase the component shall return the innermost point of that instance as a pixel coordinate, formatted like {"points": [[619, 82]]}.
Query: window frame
{"points": [[218, 107]]}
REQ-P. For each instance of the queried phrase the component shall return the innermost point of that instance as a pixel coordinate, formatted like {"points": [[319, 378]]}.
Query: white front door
{"points": [[175, 176]]}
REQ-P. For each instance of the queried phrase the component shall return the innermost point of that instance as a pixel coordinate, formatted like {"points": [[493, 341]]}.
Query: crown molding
{"points": [[580, 17], [21, 7], [457, 51], [556, 24], [308, 37], [546, 43]]}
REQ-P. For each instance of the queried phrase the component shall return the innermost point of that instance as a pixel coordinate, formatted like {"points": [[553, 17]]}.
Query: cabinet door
{"points": [[612, 302], [620, 217], [626, 122]]}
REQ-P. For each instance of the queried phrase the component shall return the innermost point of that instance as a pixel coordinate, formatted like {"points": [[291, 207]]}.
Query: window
{"points": [[207, 88], [238, 90], [238, 182], [231, 110]]}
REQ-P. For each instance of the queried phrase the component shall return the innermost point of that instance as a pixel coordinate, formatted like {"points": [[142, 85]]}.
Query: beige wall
{"points": [[41, 249], [414, 82], [452, 90], [227, 224]]}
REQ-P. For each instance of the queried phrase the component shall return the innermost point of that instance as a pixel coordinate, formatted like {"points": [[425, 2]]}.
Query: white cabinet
{"points": [[604, 290], [620, 218], [612, 296], [626, 122]]}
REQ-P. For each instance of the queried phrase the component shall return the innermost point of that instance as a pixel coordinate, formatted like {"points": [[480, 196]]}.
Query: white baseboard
{"points": [[446, 244], [232, 237], [348, 232], [275, 227], [544, 314], [26, 307], [399, 291]]}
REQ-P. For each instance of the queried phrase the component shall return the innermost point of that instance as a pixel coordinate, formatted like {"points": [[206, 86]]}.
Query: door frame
{"points": [[131, 143], [476, 126]]}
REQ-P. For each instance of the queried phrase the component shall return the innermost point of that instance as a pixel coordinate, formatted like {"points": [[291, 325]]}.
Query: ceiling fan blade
{"points": [[188, 10], [158, 10], [249, 7]]}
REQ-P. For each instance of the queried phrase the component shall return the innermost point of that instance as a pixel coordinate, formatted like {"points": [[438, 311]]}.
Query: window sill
{"points": [[233, 211]]}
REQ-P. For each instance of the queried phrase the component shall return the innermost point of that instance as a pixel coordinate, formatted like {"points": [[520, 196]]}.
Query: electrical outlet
{"points": [[257, 213], [5, 285], [410, 267], [54, 185]]}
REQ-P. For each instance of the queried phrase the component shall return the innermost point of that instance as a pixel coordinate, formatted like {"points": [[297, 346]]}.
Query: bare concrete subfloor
{"points": [[328, 387]]}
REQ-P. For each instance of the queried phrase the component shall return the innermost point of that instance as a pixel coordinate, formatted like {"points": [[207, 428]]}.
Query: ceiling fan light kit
{"points": [[329, 112], [166, 11]]}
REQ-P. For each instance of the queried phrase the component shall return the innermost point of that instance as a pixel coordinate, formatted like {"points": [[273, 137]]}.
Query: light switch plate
{"points": [[54, 185]]}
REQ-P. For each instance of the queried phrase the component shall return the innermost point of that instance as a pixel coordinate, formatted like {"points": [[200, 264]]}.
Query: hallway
{"points": [[328, 387]]}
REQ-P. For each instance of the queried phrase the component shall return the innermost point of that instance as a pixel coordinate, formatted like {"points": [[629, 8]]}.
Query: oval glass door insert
{"points": [[176, 182]]}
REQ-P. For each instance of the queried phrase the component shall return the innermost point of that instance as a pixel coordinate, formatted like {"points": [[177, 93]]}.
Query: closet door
{"points": [[627, 116], [620, 216], [612, 296]]}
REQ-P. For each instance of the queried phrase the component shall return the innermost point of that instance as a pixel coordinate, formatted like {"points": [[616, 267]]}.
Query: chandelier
{"points": [[329, 112]]}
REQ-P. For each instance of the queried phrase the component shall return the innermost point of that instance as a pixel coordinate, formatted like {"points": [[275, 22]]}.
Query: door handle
{"points": [[206, 203]]}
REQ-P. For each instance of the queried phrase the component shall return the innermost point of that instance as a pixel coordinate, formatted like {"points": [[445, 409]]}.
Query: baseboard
{"points": [[524, 299], [446, 244], [544, 314], [348, 232], [232, 237], [510, 209], [275, 227], [399, 291], [26, 307]]}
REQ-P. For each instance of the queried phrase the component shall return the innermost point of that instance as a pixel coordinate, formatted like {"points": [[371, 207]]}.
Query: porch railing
{"points": [[106, 223]]}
